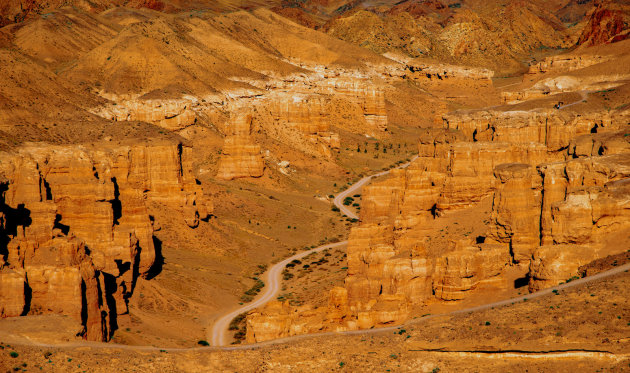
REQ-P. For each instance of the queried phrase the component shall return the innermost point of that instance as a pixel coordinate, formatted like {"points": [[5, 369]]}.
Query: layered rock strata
{"points": [[308, 114], [565, 63], [240, 156], [77, 230], [170, 114], [558, 185]]}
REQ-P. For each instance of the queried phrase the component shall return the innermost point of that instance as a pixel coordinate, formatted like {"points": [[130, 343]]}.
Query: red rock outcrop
{"points": [[77, 229], [583, 201], [240, 156], [607, 23], [443, 73]]}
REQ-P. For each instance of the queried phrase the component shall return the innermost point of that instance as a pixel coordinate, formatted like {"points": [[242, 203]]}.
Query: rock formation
{"points": [[77, 230], [607, 23], [240, 157], [169, 114], [308, 114], [566, 62], [559, 186]]}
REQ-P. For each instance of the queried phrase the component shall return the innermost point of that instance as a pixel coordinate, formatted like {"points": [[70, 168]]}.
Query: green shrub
{"points": [[234, 324]]}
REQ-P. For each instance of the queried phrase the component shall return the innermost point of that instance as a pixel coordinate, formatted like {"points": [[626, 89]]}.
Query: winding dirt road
{"points": [[273, 277], [273, 285]]}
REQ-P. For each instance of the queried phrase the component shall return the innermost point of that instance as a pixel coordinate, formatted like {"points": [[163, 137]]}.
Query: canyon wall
{"points": [[76, 230], [170, 114], [558, 187], [240, 156]]}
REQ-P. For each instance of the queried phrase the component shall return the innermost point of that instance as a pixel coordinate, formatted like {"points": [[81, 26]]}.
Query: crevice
{"points": [[14, 218], [84, 310], [110, 289], [47, 190], [65, 229], [135, 269], [434, 211], [122, 266], [156, 268], [28, 297], [180, 151], [521, 282], [116, 204]]}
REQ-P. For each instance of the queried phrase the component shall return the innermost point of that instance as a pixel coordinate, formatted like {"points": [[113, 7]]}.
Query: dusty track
{"points": [[273, 277]]}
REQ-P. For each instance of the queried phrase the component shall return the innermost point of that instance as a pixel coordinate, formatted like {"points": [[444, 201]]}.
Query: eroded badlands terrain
{"points": [[157, 158]]}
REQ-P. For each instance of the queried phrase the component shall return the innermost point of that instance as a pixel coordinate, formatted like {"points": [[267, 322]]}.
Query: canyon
{"points": [[404, 166], [78, 232]]}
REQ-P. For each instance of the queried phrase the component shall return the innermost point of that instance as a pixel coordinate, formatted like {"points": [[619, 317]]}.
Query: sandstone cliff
{"points": [[171, 114], [240, 156], [558, 186], [76, 227]]}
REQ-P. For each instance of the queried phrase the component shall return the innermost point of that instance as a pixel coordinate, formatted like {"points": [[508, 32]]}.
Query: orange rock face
{"points": [[516, 209], [559, 187], [308, 113], [535, 203], [565, 63], [240, 156], [169, 114], [77, 229]]}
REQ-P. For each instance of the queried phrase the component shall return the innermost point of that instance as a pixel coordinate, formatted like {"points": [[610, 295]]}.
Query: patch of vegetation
{"points": [[572, 278], [203, 343], [253, 291], [286, 275], [237, 321], [240, 326]]}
